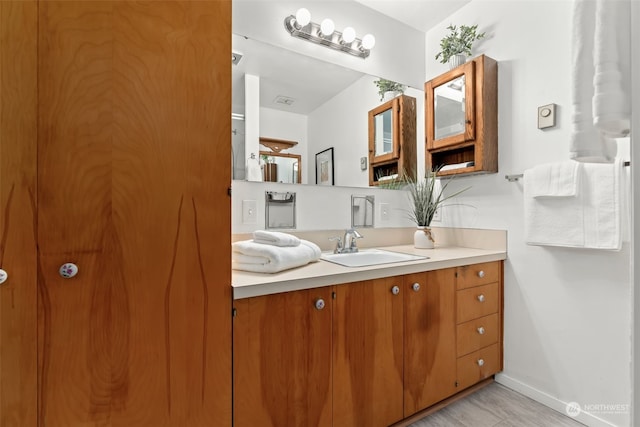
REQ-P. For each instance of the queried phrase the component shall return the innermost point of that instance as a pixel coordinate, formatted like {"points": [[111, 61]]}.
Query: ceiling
{"points": [[311, 82], [419, 14]]}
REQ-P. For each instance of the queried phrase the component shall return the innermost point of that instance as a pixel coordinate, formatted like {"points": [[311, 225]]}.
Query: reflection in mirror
{"points": [[280, 210], [362, 208], [383, 132], [449, 100], [310, 101], [281, 167]]}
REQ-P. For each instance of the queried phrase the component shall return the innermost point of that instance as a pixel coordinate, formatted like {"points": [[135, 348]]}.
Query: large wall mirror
{"points": [[301, 98]]}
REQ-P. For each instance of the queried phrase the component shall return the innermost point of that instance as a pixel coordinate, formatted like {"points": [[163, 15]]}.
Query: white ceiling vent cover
{"points": [[285, 100]]}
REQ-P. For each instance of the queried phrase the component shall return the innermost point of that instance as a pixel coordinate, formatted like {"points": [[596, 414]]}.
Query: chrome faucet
{"points": [[348, 243]]}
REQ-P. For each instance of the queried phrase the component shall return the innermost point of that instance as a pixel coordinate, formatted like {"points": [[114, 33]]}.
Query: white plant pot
{"points": [[390, 94], [457, 60], [422, 238]]}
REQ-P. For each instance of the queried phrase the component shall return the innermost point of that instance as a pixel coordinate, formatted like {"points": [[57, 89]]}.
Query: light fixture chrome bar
{"points": [[312, 32]]}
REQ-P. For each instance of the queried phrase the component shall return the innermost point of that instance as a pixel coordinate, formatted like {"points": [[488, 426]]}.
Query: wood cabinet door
{"points": [[367, 371], [429, 339], [282, 360], [133, 173], [18, 253]]}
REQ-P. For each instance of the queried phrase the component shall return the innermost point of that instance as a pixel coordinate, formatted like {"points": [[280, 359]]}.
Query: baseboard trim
{"points": [[550, 401]]}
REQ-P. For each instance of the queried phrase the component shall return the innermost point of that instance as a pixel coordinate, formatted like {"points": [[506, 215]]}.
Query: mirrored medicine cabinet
{"points": [[461, 118], [392, 140]]}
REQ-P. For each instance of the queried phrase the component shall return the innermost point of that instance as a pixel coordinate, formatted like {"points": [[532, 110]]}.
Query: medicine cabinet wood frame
{"points": [[402, 157], [478, 142]]}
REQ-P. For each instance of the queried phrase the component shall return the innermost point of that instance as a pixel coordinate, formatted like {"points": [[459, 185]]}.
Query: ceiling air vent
{"points": [[285, 100]]}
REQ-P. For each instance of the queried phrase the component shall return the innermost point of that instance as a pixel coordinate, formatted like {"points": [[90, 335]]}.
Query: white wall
{"points": [[567, 311]]}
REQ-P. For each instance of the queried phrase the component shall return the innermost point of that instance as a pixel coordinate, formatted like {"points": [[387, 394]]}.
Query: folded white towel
{"points": [[260, 258], [275, 238], [558, 179], [591, 219]]}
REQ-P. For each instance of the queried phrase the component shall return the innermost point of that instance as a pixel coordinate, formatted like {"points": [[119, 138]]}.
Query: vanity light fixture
{"points": [[325, 34]]}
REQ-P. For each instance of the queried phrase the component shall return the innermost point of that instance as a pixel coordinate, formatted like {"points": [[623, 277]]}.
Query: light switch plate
{"points": [[249, 212], [363, 163], [546, 116]]}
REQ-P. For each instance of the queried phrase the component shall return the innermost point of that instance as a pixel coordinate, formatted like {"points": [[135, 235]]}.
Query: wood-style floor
{"points": [[496, 406]]}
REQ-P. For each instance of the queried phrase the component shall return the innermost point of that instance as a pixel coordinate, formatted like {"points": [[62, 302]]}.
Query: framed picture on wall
{"points": [[324, 167]]}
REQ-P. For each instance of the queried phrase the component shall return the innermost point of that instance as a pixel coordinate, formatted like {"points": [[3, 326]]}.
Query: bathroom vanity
{"points": [[327, 345]]}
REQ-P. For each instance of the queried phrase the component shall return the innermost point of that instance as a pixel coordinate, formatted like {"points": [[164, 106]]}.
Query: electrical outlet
{"points": [[249, 212], [437, 215], [384, 211]]}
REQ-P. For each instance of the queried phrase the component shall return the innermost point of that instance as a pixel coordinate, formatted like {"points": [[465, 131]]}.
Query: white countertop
{"points": [[325, 273]]}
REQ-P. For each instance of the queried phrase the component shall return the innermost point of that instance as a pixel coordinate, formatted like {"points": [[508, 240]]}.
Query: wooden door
{"points": [[429, 339], [18, 147], [133, 142], [282, 360], [367, 372]]}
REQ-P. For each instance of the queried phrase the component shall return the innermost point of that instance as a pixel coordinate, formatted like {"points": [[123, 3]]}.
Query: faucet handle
{"points": [[338, 241]]}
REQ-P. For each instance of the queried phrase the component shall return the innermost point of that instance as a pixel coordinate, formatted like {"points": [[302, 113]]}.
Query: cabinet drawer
{"points": [[478, 274], [476, 302], [476, 334], [478, 366]]}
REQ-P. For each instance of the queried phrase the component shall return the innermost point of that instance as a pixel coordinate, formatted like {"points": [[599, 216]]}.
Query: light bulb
{"points": [[368, 41], [327, 26], [303, 16], [348, 35]]}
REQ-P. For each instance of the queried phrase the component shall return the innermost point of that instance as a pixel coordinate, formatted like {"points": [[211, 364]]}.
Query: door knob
{"points": [[3, 276], [481, 330], [481, 274], [416, 287], [319, 304], [480, 362], [395, 290], [68, 270], [481, 298]]}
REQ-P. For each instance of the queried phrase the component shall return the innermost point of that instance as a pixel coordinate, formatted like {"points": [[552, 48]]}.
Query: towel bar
{"points": [[515, 177]]}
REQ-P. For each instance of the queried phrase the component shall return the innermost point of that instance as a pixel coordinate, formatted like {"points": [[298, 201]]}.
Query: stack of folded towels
{"points": [[273, 251]]}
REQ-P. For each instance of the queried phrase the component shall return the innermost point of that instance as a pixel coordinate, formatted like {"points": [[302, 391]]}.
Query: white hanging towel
{"points": [[600, 76], [592, 218], [254, 172]]}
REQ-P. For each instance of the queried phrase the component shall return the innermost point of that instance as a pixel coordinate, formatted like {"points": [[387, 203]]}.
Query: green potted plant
{"points": [[426, 196], [456, 46], [385, 86]]}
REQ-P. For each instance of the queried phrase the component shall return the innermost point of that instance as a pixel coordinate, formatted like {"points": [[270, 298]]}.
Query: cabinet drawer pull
{"points": [[395, 290], [68, 270], [481, 330], [481, 297], [319, 304], [416, 287], [3, 276], [480, 362], [481, 274]]}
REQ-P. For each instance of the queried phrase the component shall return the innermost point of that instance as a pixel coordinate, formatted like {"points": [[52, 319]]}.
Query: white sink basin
{"points": [[369, 257]]}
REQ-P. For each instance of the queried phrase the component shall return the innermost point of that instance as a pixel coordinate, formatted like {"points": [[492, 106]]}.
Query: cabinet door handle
{"points": [[319, 304], [416, 287], [481, 298], [480, 362], [481, 330], [68, 270], [395, 290], [3, 276], [481, 274]]}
